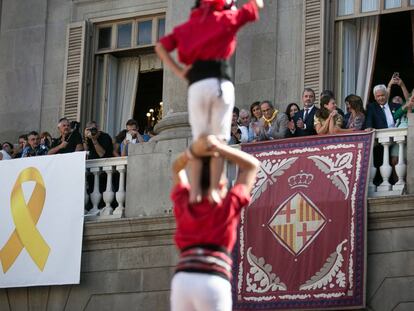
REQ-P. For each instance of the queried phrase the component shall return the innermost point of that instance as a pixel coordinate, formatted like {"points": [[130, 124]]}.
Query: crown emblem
{"points": [[300, 180]]}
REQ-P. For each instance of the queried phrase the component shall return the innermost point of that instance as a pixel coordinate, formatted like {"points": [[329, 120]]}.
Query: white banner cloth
{"points": [[41, 220]]}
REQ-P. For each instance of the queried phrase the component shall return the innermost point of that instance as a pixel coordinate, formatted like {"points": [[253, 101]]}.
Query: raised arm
{"points": [[247, 164], [258, 3], [395, 79], [178, 168], [401, 83]]}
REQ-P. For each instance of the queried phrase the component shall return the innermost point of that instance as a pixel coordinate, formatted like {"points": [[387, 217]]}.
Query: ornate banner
{"points": [[41, 220], [301, 242]]}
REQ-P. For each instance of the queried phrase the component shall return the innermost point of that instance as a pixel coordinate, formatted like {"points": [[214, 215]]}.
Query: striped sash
{"points": [[205, 259]]}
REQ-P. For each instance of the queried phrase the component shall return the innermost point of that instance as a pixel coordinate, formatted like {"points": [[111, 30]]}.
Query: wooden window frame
{"points": [[405, 6], [116, 33], [338, 43], [134, 33]]}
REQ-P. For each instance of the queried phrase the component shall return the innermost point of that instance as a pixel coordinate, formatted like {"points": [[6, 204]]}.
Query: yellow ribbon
{"points": [[25, 218]]}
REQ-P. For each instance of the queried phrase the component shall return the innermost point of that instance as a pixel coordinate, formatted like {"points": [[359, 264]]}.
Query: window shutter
{"points": [[73, 74], [313, 45]]}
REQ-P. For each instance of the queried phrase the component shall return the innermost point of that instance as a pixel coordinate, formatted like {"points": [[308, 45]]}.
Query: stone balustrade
{"points": [[389, 139], [105, 188], [105, 191]]}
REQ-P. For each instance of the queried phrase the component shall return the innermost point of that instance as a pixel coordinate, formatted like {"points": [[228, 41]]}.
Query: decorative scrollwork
{"points": [[330, 269], [263, 279], [267, 175], [335, 169]]}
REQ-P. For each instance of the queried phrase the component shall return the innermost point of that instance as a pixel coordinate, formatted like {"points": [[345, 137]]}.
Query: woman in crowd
{"points": [[357, 114], [255, 116], [291, 109], [401, 114], [255, 112], [45, 140], [327, 120]]}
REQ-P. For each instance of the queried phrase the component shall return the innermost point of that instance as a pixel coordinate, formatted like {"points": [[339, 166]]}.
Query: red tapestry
{"points": [[301, 241]]}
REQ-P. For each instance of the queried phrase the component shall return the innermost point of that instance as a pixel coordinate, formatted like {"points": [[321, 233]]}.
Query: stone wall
{"points": [[268, 60], [33, 43], [127, 264], [22, 49], [390, 261]]}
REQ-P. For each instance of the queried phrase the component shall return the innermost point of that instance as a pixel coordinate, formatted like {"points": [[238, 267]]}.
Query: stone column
{"points": [[149, 165], [175, 119], [410, 154]]}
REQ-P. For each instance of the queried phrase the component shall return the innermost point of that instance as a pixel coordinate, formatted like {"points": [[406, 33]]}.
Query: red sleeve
{"points": [[239, 194], [169, 42], [247, 13], [179, 197]]}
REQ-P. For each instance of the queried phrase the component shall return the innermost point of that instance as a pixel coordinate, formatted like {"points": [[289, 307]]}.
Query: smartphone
{"points": [[128, 137], [396, 75]]}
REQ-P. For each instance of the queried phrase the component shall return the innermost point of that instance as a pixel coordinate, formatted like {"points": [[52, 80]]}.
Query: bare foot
{"points": [[214, 196], [195, 196]]}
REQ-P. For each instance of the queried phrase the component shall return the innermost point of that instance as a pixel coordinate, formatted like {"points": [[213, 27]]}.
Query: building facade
{"points": [[94, 60]]}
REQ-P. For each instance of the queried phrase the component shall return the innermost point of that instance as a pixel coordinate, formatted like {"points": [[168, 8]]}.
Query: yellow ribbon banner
{"points": [[25, 218]]}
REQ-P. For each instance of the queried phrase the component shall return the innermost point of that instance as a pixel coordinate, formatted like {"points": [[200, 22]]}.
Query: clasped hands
{"points": [[205, 146]]}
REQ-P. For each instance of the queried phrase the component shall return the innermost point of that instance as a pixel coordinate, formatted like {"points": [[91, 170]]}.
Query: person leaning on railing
{"points": [[356, 118], [327, 120], [70, 140], [97, 143]]}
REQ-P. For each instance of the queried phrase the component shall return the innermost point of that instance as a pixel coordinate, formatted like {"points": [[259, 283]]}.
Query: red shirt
{"points": [[208, 34], [204, 223]]}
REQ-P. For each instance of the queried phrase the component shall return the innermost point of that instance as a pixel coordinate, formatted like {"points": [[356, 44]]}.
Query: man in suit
{"points": [[302, 123], [380, 113]]}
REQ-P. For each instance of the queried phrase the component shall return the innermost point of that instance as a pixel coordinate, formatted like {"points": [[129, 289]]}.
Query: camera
{"points": [[93, 131], [396, 75], [128, 137], [74, 126], [45, 145]]}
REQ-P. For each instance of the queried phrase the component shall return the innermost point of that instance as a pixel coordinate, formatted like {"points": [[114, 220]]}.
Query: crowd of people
{"points": [[262, 122], [265, 122], [97, 143]]}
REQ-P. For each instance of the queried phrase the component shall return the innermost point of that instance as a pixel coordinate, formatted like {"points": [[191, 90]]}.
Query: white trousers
{"points": [[210, 113], [200, 292]]}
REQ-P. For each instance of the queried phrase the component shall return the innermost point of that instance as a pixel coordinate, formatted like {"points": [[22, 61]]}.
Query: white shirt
{"points": [[6, 156], [244, 134], [307, 116], [388, 115]]}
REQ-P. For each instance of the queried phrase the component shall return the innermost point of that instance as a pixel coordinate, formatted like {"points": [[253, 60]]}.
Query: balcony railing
{"points": [[105, 191], [389, 139]]}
